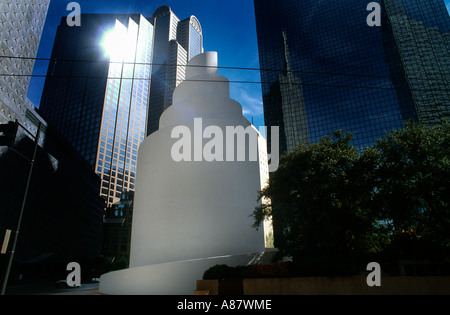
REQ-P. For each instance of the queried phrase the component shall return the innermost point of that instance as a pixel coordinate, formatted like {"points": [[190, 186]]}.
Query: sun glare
{"points": [[115, 43]]}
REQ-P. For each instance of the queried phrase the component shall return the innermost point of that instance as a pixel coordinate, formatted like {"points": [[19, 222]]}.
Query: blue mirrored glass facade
{"points": [[325, 69], [195, 42], [99, 101], [125, 109]]}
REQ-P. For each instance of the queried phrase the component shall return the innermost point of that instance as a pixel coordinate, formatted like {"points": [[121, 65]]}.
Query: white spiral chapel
{"points": [[192, 203]]}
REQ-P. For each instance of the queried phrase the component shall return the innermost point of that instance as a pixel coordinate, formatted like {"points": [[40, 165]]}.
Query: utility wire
{"points": [[224, 81], [222, 67]]}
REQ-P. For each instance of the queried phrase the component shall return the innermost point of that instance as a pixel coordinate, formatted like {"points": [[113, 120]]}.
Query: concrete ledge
{"points": [[212, 286]]}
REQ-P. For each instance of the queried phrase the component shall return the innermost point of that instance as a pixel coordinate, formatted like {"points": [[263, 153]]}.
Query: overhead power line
{"points": [[225, 81], [228, 68]]}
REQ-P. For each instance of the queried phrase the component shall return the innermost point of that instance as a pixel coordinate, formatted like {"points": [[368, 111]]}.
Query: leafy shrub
{"points": [[303, 268], [221, 272], [250, 271]]}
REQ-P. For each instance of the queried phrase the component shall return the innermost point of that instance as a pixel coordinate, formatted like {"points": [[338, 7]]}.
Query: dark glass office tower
{"points": [[96, 93], [74, 90], [325, 68]]}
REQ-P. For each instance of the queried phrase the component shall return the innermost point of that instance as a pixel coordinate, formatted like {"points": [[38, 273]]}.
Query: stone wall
{"points": [[335, 285]]}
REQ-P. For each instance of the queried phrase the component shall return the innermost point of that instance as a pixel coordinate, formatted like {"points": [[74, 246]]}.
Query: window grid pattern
{"points": [[352, 77], [124, 111]]}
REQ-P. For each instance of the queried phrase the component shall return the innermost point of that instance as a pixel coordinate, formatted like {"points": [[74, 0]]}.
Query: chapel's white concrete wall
{"points": [[186, 210], [186, 214]]}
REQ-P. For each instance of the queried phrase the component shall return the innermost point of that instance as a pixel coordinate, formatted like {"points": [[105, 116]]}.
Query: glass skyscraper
{"points": [[110, 79], [98, 101], [125, 107], [325, 69], [176, 42]]}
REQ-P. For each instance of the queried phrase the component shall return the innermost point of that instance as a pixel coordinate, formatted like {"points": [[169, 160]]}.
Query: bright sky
{"points": [[228, 28]]}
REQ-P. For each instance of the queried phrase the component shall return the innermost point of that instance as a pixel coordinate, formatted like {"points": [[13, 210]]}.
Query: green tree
{"points": [[329, 200], [322, 201], [413, 191]]}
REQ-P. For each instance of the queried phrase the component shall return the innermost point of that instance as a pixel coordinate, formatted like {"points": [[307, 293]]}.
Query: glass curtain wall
{"points": [[125, 109]]}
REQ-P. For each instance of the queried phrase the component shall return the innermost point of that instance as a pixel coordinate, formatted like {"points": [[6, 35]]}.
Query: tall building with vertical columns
{"points": [[109, 79], [176, 42], [96, 93]]}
